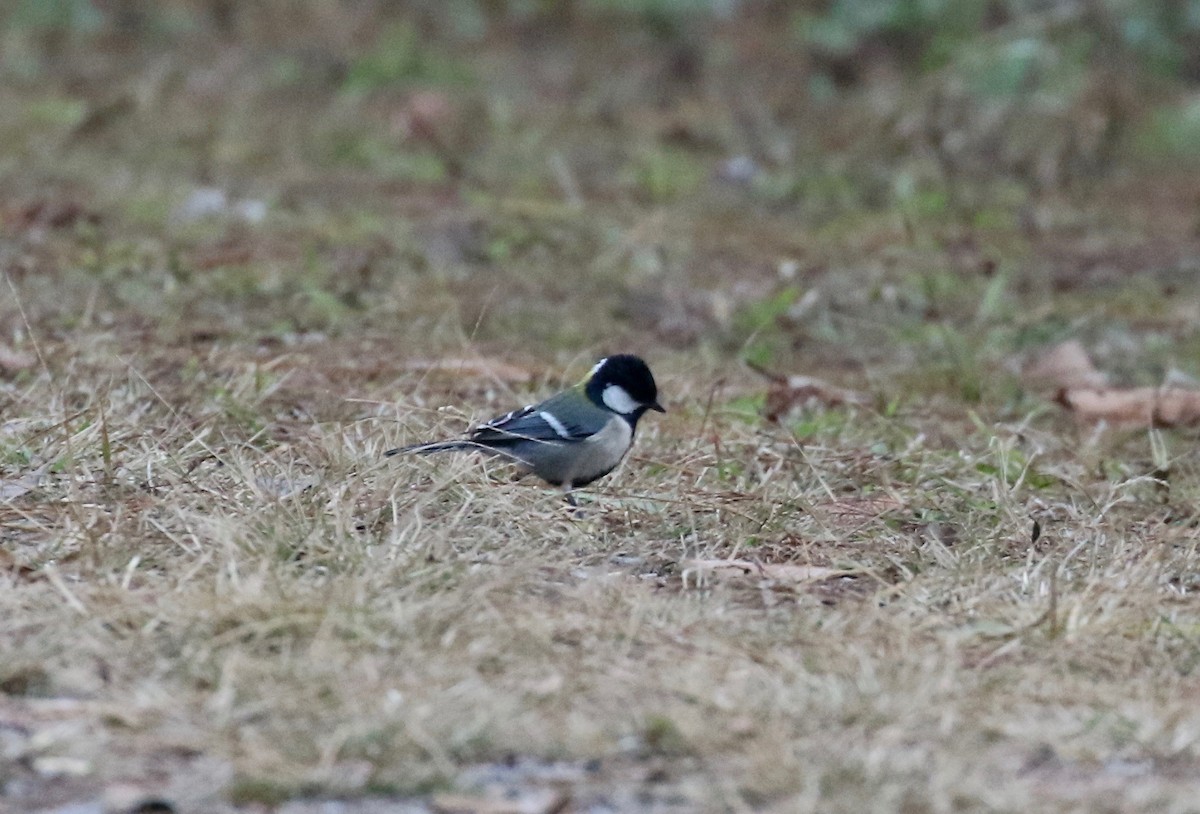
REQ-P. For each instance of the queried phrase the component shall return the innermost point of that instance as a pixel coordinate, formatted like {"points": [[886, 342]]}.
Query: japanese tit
{"points": [[573, 437]]}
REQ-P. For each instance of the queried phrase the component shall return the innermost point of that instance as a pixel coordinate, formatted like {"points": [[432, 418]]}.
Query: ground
{"points": [[234, 274]]}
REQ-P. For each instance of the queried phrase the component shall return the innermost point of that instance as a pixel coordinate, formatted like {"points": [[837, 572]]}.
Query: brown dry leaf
{"points": [[777, 572], [7, 561], [425, 117], [1065, 365], [800, 391], [49, 213], [790, 572], [536, 801], [14, 360], [854, 511], [479, 366], [220, 256], [788, 393], [1134, 407]]}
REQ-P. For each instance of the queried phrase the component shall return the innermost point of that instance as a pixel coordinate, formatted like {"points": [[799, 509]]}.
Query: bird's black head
{"points": [[625, 385]]}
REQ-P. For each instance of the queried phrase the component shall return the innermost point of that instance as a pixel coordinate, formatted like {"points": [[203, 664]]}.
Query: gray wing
{"points": [[537, 422]]}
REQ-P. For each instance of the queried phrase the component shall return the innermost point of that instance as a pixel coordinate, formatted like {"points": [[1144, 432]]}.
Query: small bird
{"points": [[573, 437]]}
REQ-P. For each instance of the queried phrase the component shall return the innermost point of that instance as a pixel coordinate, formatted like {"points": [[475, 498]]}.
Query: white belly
{"points": [[587, 460]]}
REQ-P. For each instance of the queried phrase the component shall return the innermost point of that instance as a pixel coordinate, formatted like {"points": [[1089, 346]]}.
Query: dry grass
{"points": [[255, 613], [216, 592]]}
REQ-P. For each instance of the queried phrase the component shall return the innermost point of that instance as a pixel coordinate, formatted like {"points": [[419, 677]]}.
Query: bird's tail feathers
{"points": [[452, 446], [431, 447]]}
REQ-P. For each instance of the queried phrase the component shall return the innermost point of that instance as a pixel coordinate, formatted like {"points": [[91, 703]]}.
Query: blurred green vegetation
{"points": [[843, 182], [1046, 93]]}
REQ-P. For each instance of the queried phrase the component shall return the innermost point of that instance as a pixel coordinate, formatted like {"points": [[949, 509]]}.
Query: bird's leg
{"points": [[575, 510]]}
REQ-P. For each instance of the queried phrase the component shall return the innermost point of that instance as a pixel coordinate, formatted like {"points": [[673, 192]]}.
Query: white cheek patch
{"points": [[619, 401], [554, 423]]}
